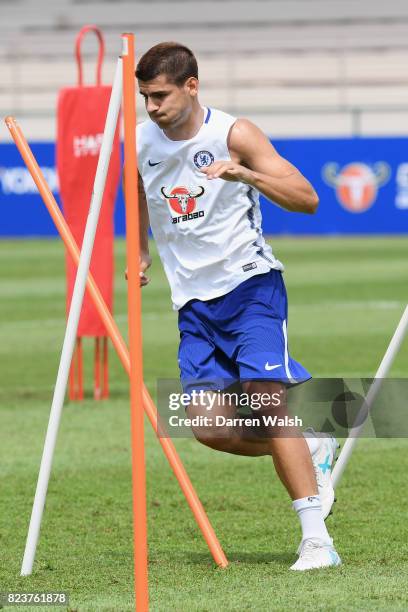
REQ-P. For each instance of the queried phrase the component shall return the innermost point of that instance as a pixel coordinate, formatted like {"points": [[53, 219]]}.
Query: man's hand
{"points": [[229, 171], [145, 263]]}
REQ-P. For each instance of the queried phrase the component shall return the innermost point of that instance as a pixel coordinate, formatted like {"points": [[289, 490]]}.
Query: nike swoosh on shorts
{"points": [[272, 367]]}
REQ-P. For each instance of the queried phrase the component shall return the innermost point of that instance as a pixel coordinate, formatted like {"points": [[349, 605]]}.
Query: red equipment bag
{"points": [[81, 120]]}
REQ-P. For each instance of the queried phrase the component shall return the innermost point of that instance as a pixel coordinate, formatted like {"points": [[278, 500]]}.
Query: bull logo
{"points": [[182, 200], [356, 184]]}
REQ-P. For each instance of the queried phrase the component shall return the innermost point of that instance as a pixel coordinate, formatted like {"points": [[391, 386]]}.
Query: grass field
{"points": [[346, 297]]}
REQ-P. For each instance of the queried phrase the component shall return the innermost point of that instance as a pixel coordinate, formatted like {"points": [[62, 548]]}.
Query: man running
{"points": [[201, 173]]}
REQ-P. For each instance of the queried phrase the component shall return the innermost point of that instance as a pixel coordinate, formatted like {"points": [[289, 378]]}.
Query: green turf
{"points": [[346, 297]]}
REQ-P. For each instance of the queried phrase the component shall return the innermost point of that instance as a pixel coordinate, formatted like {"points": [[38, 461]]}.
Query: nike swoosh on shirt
{"points": [[272, 367], [154, 163]]}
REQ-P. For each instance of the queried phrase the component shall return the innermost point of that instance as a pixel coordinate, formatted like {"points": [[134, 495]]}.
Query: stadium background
{"points": [[308, 69], [327, 80]]}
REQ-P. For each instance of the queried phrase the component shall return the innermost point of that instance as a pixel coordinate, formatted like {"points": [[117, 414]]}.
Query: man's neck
{"points": [[190, 127]]}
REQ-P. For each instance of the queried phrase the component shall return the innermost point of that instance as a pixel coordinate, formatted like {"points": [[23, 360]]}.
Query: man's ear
{"points": [[191, 86]]}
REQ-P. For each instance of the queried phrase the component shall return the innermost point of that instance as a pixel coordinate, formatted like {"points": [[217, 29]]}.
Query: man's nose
{"points": [[151, 106]]}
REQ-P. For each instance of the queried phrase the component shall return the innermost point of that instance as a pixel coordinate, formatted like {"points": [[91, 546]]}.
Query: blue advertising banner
{"points": [[22, 212], [362, 184]]}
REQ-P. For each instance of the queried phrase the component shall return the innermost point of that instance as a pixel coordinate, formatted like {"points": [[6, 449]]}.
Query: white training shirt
{"points": [[208, 232]]}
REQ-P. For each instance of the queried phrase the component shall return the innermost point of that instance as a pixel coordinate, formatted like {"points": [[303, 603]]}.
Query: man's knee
{"points": [[207, 430]]}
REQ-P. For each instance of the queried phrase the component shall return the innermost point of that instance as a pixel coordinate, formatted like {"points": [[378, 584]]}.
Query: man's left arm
{"points": [[256, 162]]}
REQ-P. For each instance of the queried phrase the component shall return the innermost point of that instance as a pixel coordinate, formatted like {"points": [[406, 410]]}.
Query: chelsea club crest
{"points": [[203, 158]]}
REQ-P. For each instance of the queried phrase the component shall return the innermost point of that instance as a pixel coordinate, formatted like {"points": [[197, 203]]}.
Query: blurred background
{"points": [[297, 68], [327, 80]]}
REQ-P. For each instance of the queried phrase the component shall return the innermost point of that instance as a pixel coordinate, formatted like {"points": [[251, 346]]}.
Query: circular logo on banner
{"points": [[356, 184], [203, 158], [181, 199]]}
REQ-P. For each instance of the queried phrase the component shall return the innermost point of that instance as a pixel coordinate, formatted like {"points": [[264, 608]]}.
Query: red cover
{"points": [[81, 119]]}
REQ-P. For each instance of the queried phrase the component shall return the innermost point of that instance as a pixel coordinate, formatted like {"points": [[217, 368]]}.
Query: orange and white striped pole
{"points": [[135, 323]]}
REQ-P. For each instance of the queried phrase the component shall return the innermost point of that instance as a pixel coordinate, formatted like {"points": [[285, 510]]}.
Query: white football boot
{"points": [[323, 459], [314, 553]]}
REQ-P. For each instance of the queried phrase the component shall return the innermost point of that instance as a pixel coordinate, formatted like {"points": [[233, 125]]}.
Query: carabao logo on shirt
{"points": [[183, 201]]}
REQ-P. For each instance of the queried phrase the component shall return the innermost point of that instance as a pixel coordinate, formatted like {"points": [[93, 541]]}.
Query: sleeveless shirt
{"points": [[208, 232]]}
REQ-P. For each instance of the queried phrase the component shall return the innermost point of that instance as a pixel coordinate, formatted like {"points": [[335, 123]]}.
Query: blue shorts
{"points": [[240, 336]]}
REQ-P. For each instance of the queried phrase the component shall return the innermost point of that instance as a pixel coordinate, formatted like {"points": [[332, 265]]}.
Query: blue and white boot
{"points": [[314, 553], [323, 458]]}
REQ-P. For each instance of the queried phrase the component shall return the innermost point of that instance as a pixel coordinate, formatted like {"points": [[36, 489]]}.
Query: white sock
{"points": [[309, 511]]}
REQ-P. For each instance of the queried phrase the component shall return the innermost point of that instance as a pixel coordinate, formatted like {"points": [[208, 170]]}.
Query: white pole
{"points": [[72, 324], [360, 421]]}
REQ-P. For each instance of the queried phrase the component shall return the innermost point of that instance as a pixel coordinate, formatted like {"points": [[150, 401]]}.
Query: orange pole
{"points": [[97, 370], [75, 373], [105, 389], [135, 324], [72, 395], [119, 344], [80, 357]]}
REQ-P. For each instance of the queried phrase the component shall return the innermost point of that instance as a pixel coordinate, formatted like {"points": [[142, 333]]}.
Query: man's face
{"points": [[168, 104]]}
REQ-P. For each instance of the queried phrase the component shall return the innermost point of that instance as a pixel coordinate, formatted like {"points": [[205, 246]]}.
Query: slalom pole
{"points": [[135, 324], [119, 345], [97, 369], [105, 387], [72, 325], [375, 386]]}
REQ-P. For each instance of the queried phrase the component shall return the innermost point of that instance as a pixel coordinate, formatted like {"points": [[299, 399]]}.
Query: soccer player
{"points": [[201, 173]]}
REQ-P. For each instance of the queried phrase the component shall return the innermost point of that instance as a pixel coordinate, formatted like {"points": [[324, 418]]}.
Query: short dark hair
{"points": [[176, 61]]}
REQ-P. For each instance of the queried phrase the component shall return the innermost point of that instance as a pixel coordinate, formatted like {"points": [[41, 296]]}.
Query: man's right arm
{"points": [[145, 259]]}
